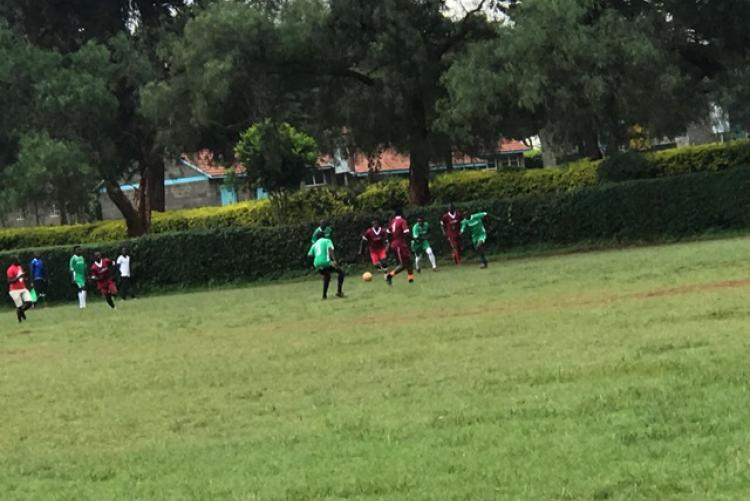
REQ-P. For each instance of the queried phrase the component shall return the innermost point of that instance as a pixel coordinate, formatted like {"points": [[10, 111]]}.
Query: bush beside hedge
{"points": [[313, 205], [646, 210]]}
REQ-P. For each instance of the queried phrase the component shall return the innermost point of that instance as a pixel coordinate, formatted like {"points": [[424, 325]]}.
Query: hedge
{"points": [[312, 205], [646, 210]]}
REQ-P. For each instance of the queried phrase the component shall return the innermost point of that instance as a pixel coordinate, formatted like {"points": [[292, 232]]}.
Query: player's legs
{"points": [[431, 257], [455, 244], [22, 301], [40, 286], [479, 245], [81, 293], [109, 300], [378, 259], [124, 287], [326, 274], [340, 281]]}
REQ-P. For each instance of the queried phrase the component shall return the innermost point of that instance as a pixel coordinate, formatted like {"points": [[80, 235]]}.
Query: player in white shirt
{"points": [[123, 267]]}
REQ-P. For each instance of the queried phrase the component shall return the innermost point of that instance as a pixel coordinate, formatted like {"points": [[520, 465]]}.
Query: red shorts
{"points": [[378, 255], [402, 253], [107, 287]]}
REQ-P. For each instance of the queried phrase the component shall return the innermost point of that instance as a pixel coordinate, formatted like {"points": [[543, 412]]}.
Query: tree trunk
{"points": [[590, 145], [156, 186], [419, 157], [132, 217], [63, 213], [448, 158], [419, 170]]}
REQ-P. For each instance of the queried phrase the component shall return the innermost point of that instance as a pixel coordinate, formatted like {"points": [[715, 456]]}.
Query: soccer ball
{"points": [[367, 276]]}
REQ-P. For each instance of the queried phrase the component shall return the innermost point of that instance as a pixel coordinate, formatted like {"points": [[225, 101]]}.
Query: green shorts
{"points": [[479, 240], [79, 280], [419, 246]]}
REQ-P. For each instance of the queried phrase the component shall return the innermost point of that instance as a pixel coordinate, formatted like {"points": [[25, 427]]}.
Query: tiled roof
{"points": [[390, 160], [204, 161]]}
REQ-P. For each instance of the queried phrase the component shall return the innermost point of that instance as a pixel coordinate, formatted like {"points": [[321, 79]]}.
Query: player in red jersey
{"points": [[399, 234], [17, 288], [376, 239], [101, 272], [450, 224]]}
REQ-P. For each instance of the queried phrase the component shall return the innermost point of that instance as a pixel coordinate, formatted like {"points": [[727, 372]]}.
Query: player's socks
{"points": [[483, 260], [340, 291], [20, 315], [431, 257], [416, 263], [410, 276], [110, 302]]}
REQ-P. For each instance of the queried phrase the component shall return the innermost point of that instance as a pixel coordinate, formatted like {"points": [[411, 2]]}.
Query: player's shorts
{"points": [[20, 296], [106, 287], [79, 281], [402, 253], [376, 256], [480, 240], [419, 246]]}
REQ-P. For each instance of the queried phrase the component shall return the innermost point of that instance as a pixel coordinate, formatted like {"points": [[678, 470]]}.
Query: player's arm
{"points": [[12, 280], [362, 244], [332, 256], [442, 227]]}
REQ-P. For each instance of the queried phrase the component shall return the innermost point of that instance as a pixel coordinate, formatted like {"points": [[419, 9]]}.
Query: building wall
{"points": [[37, 216]]}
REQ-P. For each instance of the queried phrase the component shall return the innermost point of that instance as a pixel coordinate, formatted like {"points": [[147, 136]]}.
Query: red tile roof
{"points": [[203, 160], [390, 160]]}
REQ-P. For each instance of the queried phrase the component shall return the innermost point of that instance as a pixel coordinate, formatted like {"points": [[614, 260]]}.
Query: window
{"points": [[317, 178]]}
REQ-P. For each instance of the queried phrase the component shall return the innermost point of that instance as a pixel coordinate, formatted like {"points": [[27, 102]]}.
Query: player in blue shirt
{"points": [[39, 277]]}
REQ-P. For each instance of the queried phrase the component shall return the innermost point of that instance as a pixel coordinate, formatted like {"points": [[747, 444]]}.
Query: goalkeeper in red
{"points": [[324, 262], [399, 232], [101, 272]]}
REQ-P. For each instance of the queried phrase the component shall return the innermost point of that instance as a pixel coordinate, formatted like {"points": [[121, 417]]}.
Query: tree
{"points": [[276, 156], [51, 171], [131, 31], [402, 50], [585, 72]]}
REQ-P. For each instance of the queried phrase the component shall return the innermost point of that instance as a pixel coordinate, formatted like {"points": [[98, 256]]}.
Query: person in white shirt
{"points": [[123, 266]]}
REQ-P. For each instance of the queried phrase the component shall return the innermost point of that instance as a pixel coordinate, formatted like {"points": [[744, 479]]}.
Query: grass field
{"points": [[613, 375]]}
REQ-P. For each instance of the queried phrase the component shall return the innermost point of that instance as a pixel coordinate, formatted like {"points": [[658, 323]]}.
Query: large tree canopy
{"points": [[582, 71]]}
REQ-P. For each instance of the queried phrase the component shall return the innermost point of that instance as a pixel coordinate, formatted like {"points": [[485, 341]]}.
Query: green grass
{"points": [[612, 375]]}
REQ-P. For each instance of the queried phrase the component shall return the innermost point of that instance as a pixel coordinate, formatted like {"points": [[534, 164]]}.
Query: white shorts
{"points": [[20, 296]]}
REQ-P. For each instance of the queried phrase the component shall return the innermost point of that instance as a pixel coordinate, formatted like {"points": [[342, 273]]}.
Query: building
{"points": [[191, 181]]}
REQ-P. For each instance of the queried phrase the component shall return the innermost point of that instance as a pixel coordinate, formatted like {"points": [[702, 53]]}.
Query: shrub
{"points": [[626, 166], [384, 195], [645, 210], [312, 205], [703, 158]]}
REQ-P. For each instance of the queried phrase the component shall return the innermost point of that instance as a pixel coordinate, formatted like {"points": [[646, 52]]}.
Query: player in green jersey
{"points": [[419, 243], [324, 261], [324, 230], [474, 223], [77, 267]]}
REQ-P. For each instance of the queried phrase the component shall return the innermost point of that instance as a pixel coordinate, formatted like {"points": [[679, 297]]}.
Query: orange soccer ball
{"points": [[367, 276]]}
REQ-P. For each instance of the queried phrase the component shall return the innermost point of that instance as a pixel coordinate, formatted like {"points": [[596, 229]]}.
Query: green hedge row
{"points": [[312, 205], [646, 210]]}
